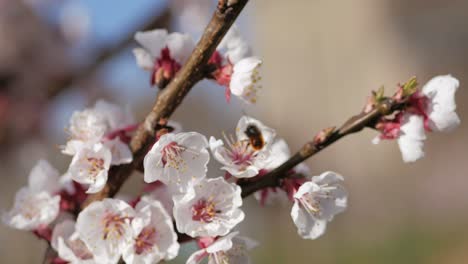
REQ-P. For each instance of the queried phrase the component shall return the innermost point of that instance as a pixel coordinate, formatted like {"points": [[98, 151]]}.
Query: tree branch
{"points": [[171, 97], [353, 125]]}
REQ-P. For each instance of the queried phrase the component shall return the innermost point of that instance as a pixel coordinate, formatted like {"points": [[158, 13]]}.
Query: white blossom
{"points": [[316, 202], [120, 152], [177, 160], [431, 109], [245, 156], [234, 45], [86, 127], [279, 154], [412, 136], [230, 249], [210, 208], [245, 79], [105, 227], [115, 117], [237, 70], [441, 106], [32, 210], [90, 166], [439, 115], [179, 45], [69, 246], [103, 123], [36, 205], [154, 238], [44, 177]]}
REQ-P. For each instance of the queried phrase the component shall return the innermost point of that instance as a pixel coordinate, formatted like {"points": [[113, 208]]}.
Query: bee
{"points": [[255, 137]]}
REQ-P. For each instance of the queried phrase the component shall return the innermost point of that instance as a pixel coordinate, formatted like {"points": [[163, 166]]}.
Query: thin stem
{"points": [[353, 125]]}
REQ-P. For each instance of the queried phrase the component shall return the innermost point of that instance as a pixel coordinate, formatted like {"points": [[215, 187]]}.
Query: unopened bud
{"points": [[410, 87], [376, 97], [323, 135]]}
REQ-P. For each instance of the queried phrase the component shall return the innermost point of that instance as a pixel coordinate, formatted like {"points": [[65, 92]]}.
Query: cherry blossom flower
{"points": [[279, 153], [177, 160], [154, 238], [210, 208], [316, 203], [411, 138], [230, 249], [69, 246], [120, 152], [245, 79], [246, 156], [116, 117], [235, 68], [105, 227], [234, 45], [86, 127], [104, 123], [440, 108], [90, 166], [431, 109], [409, 130], [162, 53], [36, 205]]}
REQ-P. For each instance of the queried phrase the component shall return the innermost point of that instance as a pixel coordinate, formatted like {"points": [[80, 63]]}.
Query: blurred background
{"points": [[321, 60]]}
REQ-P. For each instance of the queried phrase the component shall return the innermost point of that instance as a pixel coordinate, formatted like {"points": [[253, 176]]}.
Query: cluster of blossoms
{"points": [[430, 109], [180, 202], [231, 65], [99, 138]]}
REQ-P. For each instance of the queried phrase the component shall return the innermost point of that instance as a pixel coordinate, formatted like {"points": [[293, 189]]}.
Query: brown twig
{"points": [[353, 125], [170, 98]]}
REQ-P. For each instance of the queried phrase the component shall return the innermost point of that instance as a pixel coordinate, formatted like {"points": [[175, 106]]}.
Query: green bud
{"points": [[410, 87]]}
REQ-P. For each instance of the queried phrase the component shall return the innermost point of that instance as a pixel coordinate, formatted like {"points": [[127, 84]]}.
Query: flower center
{"points": [[419, 104], [114, 226], [311, 201], [311, 205], [223, 74], [165, 69], [204, 211], [95, 166], [30, 208], [390, 129], [240, 152], [172, 155], [146, 240]]}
